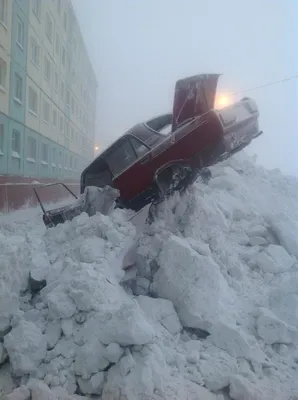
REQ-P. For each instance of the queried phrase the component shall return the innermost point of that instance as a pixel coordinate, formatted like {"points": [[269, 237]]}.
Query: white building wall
{"points": [[79, 115], [5, 46]]}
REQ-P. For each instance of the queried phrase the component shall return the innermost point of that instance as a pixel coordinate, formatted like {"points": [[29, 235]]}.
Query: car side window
{"points": [[139, 147], [121, 157]]}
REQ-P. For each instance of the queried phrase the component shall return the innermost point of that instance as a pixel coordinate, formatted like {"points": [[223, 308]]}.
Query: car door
{"points": [[136, 179]]}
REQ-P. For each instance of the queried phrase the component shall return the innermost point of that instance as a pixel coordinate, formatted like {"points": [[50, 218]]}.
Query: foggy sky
{"points": [[139, 48]]}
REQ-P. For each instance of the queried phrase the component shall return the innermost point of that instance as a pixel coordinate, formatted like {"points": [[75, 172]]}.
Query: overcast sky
{"points": [[139, 48]]}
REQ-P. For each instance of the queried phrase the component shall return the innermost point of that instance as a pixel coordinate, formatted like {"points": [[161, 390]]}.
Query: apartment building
{"points": [[47, 91]]}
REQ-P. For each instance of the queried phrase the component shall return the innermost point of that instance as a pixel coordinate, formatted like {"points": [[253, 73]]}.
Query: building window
{"points": [[46, 111], [18, 90], [65, 162], [3, 12], [20, 33], [61, 124], [37, 8], [75, 164], [16, 143], [72, 105], [3, 72], [60, 159], [70, 162], [68, 98], [65, 20], [63, 56], [47, 69], [49, 27], [45, 153], [1, 139], [34, 52], [32, 100], [62, 90], [32, 149], [72, 133], [57, 46], [55, 118]]}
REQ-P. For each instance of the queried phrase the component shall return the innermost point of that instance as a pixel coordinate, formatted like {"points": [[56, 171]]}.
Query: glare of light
{"points": [[96, 148], [222, 101]]}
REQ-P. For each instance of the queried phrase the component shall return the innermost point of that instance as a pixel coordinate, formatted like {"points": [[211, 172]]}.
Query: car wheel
{"points": [[174, 178]]}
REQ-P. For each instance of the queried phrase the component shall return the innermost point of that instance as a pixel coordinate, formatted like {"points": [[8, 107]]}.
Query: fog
{"points": [[139, 48]]}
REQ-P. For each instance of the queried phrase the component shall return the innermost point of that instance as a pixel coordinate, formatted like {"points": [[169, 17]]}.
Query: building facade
{"points": [[47, 92]]}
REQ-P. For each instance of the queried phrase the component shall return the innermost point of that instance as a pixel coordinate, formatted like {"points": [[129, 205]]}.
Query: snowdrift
{"points": [[210, 314]]}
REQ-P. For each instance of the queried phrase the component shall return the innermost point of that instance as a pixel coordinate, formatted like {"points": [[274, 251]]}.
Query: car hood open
{"points": [[194, 96]]}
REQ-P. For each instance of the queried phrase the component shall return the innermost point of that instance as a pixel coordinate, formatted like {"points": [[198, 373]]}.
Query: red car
{"points": [[169, 152]]}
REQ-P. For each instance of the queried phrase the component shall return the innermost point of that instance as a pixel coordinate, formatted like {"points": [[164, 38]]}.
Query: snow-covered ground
{"points": [[212, 313]]}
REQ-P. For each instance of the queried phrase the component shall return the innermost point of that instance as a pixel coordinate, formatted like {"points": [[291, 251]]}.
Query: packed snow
{"points": [[208, 309]]}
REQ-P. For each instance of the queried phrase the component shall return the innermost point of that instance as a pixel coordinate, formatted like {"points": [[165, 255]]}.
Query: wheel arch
{"points": [[170, 164]]}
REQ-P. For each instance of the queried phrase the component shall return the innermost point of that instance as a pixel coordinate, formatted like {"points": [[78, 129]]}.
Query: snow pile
{"points": [[210, 312]]}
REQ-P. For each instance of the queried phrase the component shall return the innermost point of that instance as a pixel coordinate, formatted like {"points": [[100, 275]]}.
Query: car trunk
{"points": [[194, 96]]}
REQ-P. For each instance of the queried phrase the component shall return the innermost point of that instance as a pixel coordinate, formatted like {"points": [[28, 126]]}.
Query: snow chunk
{"points": [[126, 326], [40, 391], [192, 281], [273, 330], [113, 352], [146, 374], [257, 231], [3, 354], [274, 259], [241, 388], [39, 267], [67, 327], [4, 325], [284, 304], [162, 311], [258, 241], [193, 348], [90, 358], [91, 290], [53, 333], [199, 247], [234, 341], [26, 347], [216, 367], [92, 250], [228, 182], [60, 304], [21, 393], [92, 386], [286, 230]]}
